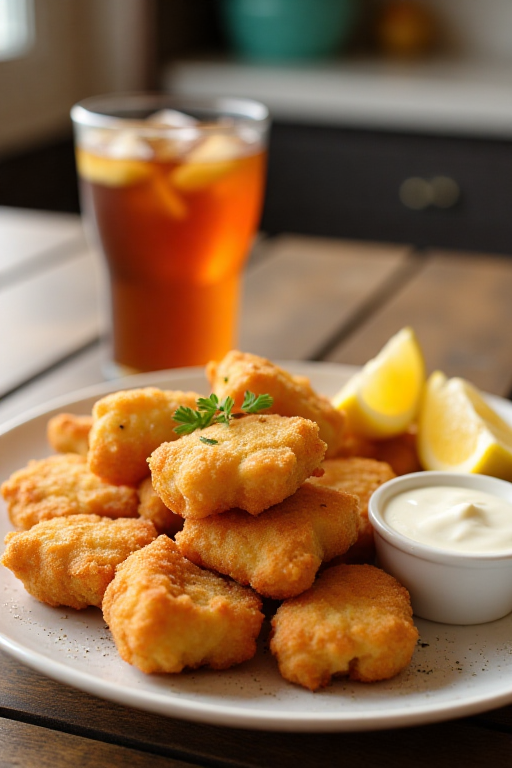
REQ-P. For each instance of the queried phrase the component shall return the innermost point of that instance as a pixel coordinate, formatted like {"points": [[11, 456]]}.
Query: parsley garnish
{"points": [[253, 404], [212, 411]]}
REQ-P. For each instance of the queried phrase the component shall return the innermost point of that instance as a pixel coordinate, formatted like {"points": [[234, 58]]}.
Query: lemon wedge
{"points": [[215, 158], [111, 172], [168, 198], [459, 431], [382, 399]]}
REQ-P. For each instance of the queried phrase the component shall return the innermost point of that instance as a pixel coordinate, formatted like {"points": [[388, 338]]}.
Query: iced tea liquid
{"points": [[175, 233]]}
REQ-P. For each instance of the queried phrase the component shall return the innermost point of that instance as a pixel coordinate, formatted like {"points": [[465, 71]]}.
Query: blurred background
{"points": [[392, 119]]}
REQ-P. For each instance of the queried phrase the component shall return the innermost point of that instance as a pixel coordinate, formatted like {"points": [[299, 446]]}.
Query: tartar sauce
{"points": [[452, 518]]}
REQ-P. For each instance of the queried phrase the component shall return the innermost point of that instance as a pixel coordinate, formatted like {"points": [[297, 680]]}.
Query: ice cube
{"points": [[171, 118], [215, 148], [95, 139], [128, 145], [249, 136], [175, 143]]}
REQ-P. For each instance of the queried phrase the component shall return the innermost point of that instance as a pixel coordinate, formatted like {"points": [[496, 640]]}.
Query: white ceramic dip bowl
{"points": [[450, 587]]}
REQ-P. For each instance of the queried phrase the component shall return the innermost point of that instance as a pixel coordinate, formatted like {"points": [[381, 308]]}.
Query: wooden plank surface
{"points": [[30, 237], [28, 695], [460, 306], [303, 290], [75, 373], [32, 746], [47, 317]]}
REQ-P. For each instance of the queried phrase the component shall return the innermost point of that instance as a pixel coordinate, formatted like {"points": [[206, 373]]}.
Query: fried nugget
{"points": [[279, 552], [129, 425], [62, 485], [151, 507], [356, 620], [356, 445], [238, 372], [67, 433], [251, 463], [399, 452], [166, 613], [71, 560], [362, 477]]}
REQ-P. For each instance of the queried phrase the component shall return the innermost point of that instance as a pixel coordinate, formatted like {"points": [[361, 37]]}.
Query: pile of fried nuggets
{"points": [[184, 543]]}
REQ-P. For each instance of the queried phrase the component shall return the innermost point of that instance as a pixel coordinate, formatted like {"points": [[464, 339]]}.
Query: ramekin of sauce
{"points": [[447, 537]]}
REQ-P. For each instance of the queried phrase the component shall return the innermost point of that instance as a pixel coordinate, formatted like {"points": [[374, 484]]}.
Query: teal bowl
{"points": [[287, 30]]}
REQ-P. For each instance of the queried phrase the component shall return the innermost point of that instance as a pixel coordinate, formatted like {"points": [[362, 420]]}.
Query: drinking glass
{"points": [[171, 191]]}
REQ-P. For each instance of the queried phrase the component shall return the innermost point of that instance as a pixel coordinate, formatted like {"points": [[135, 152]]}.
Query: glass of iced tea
{"points": [[171, 191]]}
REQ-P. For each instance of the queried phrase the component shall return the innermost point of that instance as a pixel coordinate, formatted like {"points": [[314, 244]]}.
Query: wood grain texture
{"points": [[28, 695], [32, 746], [75, 373], [47, 317], [461, 309], [30, 238], [304, 290]]}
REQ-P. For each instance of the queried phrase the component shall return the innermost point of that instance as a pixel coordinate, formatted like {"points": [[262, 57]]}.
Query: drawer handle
{"points": [[417, 194]]}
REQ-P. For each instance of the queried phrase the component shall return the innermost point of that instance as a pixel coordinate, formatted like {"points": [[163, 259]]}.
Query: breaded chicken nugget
{"points": [[399, 452], [356, 620], [128, 426], [166, 613], [151, 507], [279, 552], [71, 560], [293, 395], [67, 433], [62, 485], [252, 463], [362, 477]]}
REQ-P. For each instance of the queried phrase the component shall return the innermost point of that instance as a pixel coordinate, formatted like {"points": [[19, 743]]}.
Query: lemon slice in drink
{"points": [[111, 172], [215, 158], [459, 431], [382, 399]]}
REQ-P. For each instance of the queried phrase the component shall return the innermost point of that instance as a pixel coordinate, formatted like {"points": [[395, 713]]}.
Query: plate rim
{"points": [[289, 721]]}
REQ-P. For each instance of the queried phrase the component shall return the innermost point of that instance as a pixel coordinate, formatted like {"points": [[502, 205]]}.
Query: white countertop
{"points": [[469, 98]]}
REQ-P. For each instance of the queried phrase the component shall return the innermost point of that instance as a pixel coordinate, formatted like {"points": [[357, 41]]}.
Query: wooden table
{"points": [[305, 299]]}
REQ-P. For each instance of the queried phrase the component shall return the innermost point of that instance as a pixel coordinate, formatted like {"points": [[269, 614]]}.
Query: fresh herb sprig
{"points": [[253, 403], [210, 410]]}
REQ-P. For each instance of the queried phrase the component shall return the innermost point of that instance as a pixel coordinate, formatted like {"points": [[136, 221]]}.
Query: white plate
{"points": [[455, 671]]}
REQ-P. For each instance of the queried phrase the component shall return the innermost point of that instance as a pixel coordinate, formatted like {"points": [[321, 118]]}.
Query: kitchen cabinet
{"points": [[354, 140], [354, 183]]}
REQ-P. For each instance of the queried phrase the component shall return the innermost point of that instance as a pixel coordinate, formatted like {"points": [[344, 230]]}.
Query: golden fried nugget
{"points": [[356, 445], [252, 463], [279, 552], [356, 620], [67, 433], [238, 372], [128, 426], [62, 485], [71, 560], [362, 477], [151, 507], [399, 452], [166, 613]]}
